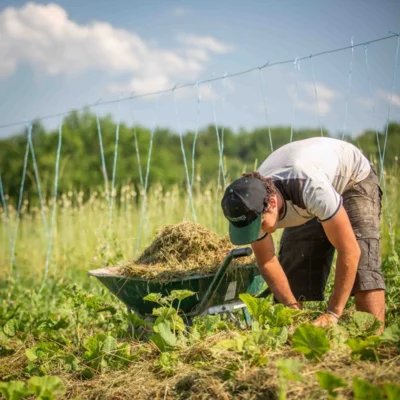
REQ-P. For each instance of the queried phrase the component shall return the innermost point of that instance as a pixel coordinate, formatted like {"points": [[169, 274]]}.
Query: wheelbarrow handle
{"points": [[242, 252], [212, 289]]}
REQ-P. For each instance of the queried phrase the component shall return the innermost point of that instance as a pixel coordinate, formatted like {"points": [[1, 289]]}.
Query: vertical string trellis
{"points": [[390, 105], [373, 103], [6, 217], [196, 133], [21, 194], [221, 171], [391, 233], [222, 114], [103, 161], [137, 150], [146, 181], [139, 164], [53, 213], [114, 170], [221, 168], [29, 145], [39, 189], [188, 182], [264, 97], [220, 143], [316, 93], [348, 89], [297, 69]]}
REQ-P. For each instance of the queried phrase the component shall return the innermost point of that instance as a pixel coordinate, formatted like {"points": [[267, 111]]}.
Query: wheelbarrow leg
{"points": [[187, 319], [233, 319], [131, 328], [247, 317]]}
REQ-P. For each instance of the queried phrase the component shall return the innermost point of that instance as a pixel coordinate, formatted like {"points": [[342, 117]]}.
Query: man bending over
{"points": [[326, 195]]}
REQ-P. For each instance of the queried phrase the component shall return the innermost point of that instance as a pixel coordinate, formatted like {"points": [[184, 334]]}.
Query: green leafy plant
{"points": [[253, 346], [280, 315], [288, 369], [46, 387], [330, 382], [168, 326], [392, 391], [391, 334], [14, 390], [265, 313], [48, 355], [365, 349], [43, 388], [206, 326], [363, 324], [103, 353], [53, 329], [364, 390], [310, 340], [54, 325], [257, 308], [10, 327], [338, 336], [167, 362]]}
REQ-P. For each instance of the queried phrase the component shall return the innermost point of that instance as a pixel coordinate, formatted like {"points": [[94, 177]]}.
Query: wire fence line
{"points": [[189, 179], [201, 82]]}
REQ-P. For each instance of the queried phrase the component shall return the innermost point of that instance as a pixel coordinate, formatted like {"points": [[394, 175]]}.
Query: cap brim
{"points": [[246, 234]]}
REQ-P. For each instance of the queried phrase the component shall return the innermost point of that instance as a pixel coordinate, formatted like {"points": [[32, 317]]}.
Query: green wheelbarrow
{"points": [[214, 293]]}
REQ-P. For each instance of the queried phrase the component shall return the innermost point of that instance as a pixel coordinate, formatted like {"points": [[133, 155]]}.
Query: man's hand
{"points": [[272, 271], [325, 320], [295, 306]]}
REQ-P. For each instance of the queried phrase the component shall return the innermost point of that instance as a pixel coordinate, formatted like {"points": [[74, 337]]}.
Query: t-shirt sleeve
{"points": [[321, 199]]}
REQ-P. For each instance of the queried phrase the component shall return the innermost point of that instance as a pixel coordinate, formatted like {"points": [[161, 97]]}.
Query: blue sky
{"points": [[67, 54]]}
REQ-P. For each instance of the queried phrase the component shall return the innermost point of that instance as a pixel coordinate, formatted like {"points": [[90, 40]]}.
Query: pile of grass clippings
{"points": [[182, 250]]}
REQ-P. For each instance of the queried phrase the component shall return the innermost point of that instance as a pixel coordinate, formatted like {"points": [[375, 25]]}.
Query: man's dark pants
{"points": [[306, 253]]}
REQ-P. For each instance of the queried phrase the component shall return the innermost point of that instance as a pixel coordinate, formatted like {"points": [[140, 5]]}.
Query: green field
{"points": [[76, 332]]}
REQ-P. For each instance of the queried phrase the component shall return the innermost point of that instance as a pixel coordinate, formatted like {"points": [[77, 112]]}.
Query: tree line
{"points": [[81, 165]]}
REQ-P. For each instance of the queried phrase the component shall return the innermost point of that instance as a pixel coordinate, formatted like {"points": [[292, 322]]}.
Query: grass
{"points": [[72, 311], [84, 237]]}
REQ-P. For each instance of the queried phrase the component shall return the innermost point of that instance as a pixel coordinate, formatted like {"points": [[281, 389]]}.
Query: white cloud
{"points": [[323, 107], [197, 54], [44, 37], [389, 97], [205, 42], [307, 99]]}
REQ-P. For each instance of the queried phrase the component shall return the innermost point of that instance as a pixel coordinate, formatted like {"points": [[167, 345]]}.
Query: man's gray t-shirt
{"points": [[311, 176]]}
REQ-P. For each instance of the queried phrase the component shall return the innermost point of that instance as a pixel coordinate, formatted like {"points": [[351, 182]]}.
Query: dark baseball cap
{"points": [[243, 205]]}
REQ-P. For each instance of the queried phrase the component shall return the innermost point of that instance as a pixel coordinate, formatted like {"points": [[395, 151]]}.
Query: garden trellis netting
{"points": [[49, 216]]}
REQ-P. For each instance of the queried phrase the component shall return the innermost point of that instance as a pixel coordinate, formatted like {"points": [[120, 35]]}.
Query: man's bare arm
{"points": [[341, 235], [272, 271]]}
